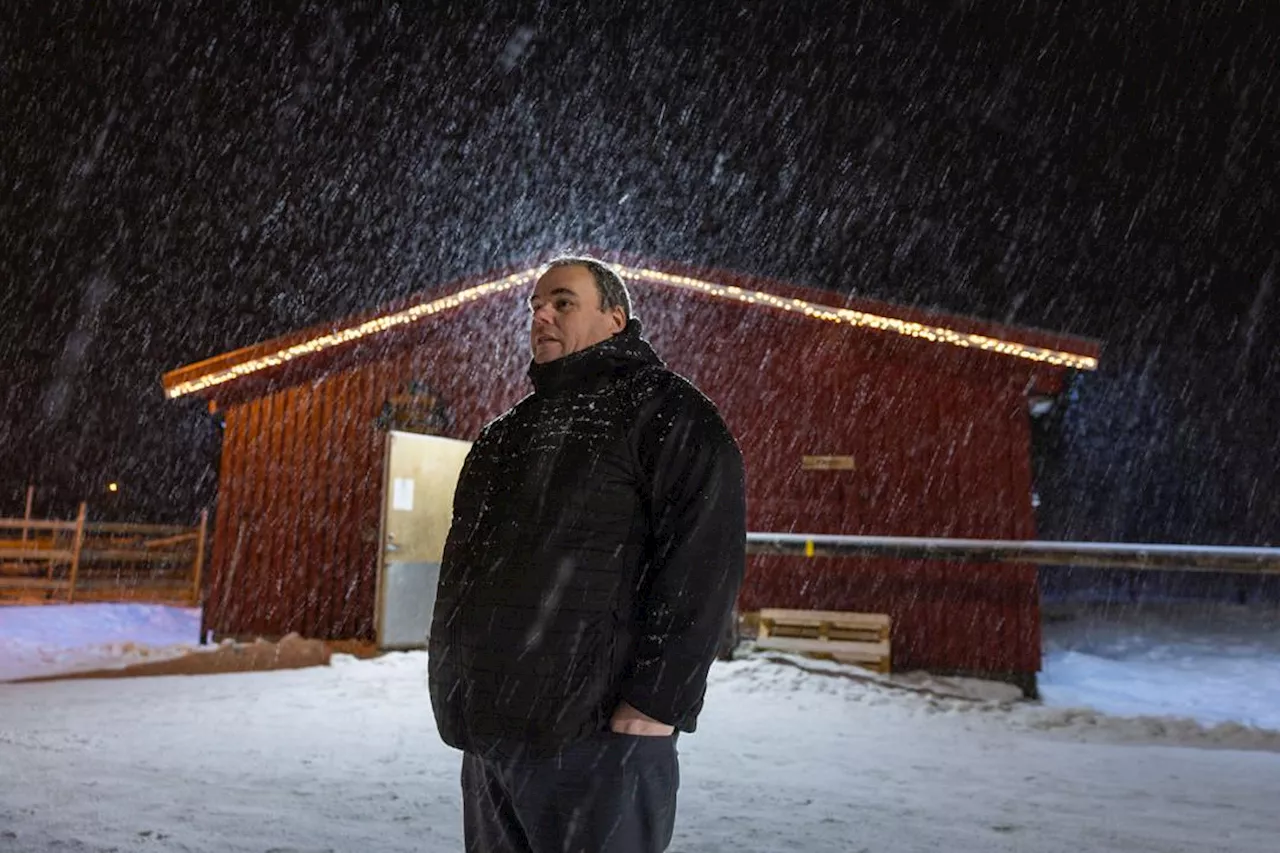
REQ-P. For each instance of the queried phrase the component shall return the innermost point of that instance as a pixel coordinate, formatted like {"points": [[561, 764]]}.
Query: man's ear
{"points": [[617, 319]]}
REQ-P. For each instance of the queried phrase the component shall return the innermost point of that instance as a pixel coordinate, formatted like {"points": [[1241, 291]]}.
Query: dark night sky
{"points": [[175, 184]]}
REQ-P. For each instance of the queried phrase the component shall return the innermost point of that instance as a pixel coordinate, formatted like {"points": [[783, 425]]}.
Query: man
{"points": [[596, 551]]}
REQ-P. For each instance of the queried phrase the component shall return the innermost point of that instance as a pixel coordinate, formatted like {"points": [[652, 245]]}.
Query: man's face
{"points": [[567, 316]]}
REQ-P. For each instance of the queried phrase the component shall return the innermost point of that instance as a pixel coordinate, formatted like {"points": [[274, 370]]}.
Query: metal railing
{"points": [[1112, 555]]}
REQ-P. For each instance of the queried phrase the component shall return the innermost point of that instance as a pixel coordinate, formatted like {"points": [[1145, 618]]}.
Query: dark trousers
{"points": [[611, 793]]}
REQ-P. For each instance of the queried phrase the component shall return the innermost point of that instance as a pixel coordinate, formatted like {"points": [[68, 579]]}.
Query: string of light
{"points": [[862, 319], [937, 334], [353, 333]]}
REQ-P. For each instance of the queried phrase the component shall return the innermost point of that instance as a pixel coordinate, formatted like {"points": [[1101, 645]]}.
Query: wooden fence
{"points": [[67, 561]]}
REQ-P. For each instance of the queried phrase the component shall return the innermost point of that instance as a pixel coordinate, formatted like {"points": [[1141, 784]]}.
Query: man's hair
{"points": [[613, 293]]}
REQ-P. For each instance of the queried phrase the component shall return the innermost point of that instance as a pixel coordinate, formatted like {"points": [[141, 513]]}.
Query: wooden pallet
{"points": [[857, 638]]}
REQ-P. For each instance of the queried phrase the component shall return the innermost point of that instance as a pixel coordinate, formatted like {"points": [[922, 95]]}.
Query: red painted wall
{"points": [[941, 442], [939, 436]]}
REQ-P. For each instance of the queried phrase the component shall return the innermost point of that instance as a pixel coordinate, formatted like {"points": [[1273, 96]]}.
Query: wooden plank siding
{"points": [[939, 436], [941, 448]]}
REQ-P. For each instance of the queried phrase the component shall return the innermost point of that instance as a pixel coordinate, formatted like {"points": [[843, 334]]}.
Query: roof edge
{"points": [[1062, 351]]}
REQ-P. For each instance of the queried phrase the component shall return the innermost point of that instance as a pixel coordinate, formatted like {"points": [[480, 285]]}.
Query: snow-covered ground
{"points": [[1212, 662], [53, 639], [790, 755]]}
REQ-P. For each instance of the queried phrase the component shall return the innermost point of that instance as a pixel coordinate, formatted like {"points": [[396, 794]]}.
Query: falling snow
{"points": [[176, 183], [181, 183]]}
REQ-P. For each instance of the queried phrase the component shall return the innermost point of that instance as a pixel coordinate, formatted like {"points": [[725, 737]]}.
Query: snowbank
{"points": [[41, 640], [125, 640], [1214, 663]]}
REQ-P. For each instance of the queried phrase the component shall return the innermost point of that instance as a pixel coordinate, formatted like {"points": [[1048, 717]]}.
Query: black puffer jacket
{"points": [[596, 550]]}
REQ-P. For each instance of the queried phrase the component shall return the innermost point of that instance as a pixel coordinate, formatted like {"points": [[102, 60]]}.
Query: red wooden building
{"points": [[924, 418]]}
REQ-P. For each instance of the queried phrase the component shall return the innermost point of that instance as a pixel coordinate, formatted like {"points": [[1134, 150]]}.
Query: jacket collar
{"points": [[588, 368]]}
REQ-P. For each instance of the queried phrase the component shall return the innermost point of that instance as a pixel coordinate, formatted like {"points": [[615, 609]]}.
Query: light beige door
{"points": [[421, 475]]}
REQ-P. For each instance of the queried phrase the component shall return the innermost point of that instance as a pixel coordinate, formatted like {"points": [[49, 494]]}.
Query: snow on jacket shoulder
{"points": [[596, 550]]}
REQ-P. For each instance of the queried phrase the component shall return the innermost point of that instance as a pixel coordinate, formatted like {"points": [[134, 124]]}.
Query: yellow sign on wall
{"points": [[826, 463]]}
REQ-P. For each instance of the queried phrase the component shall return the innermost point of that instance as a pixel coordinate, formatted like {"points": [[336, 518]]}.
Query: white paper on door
{"points": [[402, 494]]}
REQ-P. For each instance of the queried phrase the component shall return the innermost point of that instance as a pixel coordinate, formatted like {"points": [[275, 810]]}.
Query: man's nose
{"points": [[543, 314]]}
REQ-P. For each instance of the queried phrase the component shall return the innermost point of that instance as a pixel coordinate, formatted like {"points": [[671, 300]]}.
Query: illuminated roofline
{"points": [[937, 334], [353, 333]]}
